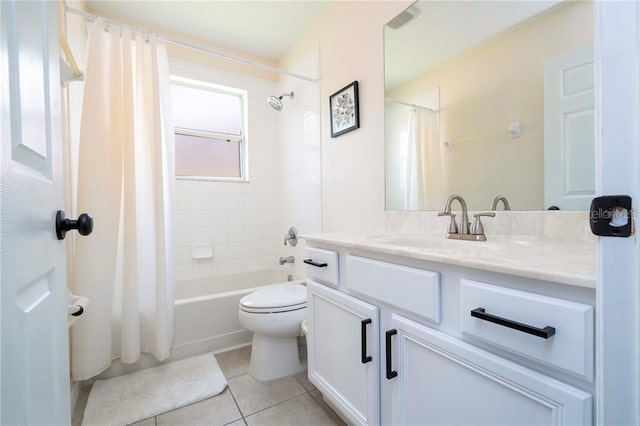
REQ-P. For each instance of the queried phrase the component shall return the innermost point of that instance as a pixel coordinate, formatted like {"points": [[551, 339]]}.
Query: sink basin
{"points": [[441, 243], [410, 241]]}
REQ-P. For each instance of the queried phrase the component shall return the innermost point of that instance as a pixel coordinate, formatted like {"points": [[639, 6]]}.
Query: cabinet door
{"points": [[343, 352], [443, 381]]}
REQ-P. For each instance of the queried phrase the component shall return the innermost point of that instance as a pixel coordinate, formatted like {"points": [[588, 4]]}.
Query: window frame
{"points": [[242, 138]]}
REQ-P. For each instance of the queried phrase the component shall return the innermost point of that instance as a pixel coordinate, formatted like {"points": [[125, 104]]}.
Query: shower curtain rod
{"points": [[93, 16], [395, 101]]}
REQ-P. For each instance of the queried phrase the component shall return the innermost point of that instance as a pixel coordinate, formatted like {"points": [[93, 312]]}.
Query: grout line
{"points": [[230, 423], [327, 408], [281, 402], [297, 380], [237, 406], [303, 386]]}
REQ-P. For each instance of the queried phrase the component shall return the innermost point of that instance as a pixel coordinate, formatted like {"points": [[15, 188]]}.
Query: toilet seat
{"points": [[275, 298]]}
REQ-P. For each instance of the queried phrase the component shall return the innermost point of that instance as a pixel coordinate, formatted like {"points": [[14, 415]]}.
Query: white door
{"points": [[443, 381], [34, 356], [618, 166], [569, 130], [343, 352]]}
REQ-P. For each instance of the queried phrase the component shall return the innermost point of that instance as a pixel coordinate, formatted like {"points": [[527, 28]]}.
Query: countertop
{"points": [[564, 261]]}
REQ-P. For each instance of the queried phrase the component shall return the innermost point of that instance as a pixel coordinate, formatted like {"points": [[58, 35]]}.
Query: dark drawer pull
{"points": [[390, 373], [316, 264], [545, 333], [363, 340]]}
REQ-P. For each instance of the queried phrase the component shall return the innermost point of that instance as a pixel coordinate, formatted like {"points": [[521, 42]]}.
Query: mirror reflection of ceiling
{"points": [[440, 31]]}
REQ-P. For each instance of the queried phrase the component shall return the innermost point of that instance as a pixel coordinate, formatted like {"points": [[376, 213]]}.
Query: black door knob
{"points": [[84, 224]]}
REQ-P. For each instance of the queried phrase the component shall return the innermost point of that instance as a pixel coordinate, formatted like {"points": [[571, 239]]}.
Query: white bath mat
{"points": [[127, 399]]}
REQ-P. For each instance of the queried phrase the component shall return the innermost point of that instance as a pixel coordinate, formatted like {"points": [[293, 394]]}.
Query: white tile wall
{"points": [[245, 222], [299, 191], [241, 238]]}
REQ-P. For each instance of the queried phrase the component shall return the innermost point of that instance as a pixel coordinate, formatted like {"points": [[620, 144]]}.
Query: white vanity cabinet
{"points": [[436, 379], [343, 352], [435, 363]]}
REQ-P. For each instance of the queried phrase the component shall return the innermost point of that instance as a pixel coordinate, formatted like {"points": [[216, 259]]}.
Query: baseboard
{"points": [[213, 344], [221, 343], [336, 408]]}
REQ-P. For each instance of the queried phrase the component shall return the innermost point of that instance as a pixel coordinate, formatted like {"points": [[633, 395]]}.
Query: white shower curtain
{"points": [[126, 182], [425, 174]]}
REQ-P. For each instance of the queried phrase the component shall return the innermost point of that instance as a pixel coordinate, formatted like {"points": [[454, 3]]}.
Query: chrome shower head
{"points": [[276, 101]]}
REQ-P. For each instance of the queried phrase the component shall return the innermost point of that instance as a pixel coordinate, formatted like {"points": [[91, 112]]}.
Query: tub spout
{"points": [[288, 259]]}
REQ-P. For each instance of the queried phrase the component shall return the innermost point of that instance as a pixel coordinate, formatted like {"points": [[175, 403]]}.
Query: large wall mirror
{"points": [[490, 98]]}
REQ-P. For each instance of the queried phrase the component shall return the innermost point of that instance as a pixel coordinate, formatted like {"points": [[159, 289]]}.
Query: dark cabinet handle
{"points": [[316, 264], [390, 373], [84, 224], [545, 333], [363, 340]]}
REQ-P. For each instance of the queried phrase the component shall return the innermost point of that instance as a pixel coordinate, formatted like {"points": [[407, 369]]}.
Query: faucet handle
{"points": [[291, 237], [453, 226], [477, 228]]}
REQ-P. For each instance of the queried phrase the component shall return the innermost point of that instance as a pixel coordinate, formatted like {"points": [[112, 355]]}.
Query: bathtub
{"points": [[206, 310], [206, 317]]}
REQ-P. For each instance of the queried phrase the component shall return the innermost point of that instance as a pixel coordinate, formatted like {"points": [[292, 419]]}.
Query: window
{"points": [[209, 129]]}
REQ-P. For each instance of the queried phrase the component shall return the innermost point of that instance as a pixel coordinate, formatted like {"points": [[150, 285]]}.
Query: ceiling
{"points": [[266, 29], [442, 30]]}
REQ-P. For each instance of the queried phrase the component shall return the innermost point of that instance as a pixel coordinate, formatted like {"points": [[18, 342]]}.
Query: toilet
{"points": [[274, 315]]}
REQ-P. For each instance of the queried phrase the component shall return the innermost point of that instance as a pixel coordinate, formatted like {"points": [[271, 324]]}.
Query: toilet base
{"points": [[274, 357]]}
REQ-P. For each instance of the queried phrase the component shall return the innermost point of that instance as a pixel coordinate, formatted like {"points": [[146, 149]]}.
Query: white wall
{"points": [[298, 157], [245, 222], [351, 48]]}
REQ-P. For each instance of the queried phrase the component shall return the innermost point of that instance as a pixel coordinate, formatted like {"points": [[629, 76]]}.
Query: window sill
{"points": [[213, 179]]}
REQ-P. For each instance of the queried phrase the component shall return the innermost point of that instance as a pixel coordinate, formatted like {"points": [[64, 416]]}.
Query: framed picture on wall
{"points": [[344, 110]]}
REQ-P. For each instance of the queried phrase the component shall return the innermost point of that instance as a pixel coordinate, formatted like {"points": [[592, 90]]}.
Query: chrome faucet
{"points": [[288, 259], [291, 237], [496, 201], [466, 231], [465, 216]]}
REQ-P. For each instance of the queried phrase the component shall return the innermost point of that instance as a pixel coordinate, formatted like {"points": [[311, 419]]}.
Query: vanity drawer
{"points": [[411, 289], [553, 331], [322, 265]]}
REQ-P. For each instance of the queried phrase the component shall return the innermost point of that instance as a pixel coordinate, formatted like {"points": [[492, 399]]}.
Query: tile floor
{"points": [[288, 401]]}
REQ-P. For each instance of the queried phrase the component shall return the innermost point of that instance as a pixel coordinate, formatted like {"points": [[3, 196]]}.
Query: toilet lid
{"points": [[291, 296]]}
